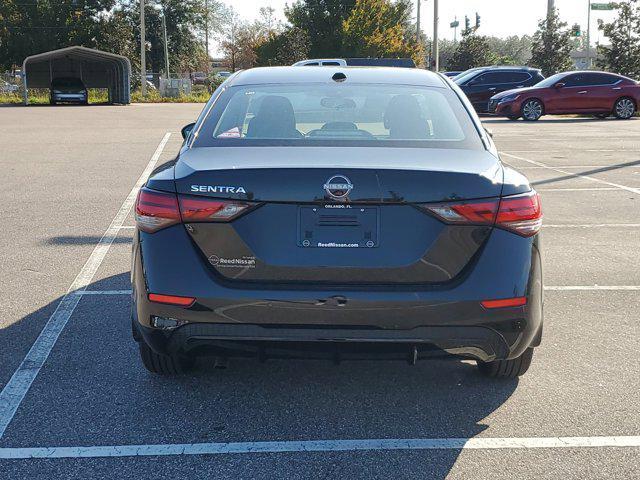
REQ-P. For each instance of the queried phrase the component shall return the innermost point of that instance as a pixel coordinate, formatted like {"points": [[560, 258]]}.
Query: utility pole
{"points": [[206, 30], [143, 61], [550, 7], [418, 21], [455, 29], [589, 35], [436, 49], [166, 45]]}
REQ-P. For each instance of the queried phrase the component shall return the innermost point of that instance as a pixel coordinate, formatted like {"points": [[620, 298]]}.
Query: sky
{"points": [[499, 18]]}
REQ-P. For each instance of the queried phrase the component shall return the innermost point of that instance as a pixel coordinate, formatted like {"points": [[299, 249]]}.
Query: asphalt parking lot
{"points": [[79, 394]]}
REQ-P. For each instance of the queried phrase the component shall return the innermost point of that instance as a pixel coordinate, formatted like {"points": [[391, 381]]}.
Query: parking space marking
{"points": [[593, 225], [578, 175], [592, 288], [15, 390], [321, 446], [103, 292], [583, 189]]}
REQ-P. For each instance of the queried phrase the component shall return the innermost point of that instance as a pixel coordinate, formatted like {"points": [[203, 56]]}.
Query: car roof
{"points": [[380, 75]]}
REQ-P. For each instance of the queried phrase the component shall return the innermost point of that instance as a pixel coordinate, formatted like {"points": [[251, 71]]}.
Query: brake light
{"points": [[171, 300], [521, 214], [202, 209], [156, 210], [505, 302]]}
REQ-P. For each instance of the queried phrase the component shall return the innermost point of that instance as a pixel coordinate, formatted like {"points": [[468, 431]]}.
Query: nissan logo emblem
{"points": [[338, 186]]}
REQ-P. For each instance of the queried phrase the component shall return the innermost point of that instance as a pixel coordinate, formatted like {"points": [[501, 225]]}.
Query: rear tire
{"points": [[624, 108], [507, 368], [532, 110], [164, 364]]}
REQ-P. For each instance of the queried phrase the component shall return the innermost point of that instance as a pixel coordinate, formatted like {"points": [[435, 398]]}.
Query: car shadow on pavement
{"points": [[82, 240], [544, 120], [93, 390], [609, 168]]}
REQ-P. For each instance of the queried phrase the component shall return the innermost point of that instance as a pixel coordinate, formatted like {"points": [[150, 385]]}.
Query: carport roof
{"points": [[78, 51]]}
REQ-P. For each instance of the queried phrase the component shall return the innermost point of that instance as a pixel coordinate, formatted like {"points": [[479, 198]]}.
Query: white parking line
{"points": [[592, 288], [14, 391], [593, 179], [563, 166], [594, 225], [584, 189], [321, 446], [103, 292]]}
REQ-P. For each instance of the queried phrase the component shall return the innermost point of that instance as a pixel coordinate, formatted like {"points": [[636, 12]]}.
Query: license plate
{"points": [[338, 226]]}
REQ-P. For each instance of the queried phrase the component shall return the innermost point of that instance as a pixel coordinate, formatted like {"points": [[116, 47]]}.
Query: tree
{"points": [[473, 51], [284, 48], [551, 46], [381, 28], [623, 55], [322, 20], [513, 50]]}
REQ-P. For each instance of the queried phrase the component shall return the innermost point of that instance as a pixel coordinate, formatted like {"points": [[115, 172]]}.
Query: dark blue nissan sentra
{"points": [[339, 213]]}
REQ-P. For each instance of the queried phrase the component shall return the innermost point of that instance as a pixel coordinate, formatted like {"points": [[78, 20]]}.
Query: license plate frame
{"points": [[338, 226]]}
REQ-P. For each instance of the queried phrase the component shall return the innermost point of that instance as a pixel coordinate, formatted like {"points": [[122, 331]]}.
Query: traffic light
{"points": [[477, 21], [575, 30], [467, 23]]}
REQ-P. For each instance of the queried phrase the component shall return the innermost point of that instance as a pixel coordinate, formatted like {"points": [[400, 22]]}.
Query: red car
{"points": [[598, 93]]}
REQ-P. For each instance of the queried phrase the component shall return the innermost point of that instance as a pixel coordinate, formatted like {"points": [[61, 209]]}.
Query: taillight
{"points": [[521, 214], [202, 209], [477, 213], [156, 210]]}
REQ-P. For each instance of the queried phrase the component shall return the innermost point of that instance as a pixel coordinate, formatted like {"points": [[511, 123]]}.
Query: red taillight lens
{"points": [[202, 209], [521, 214], [171, 300], [478, 213], [505, 302], [156, 210]]}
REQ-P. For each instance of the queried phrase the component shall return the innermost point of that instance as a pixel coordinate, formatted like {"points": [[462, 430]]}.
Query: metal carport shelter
{"points": [[95, 68]]}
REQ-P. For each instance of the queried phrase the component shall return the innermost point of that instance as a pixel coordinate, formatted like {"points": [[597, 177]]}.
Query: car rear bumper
{"points": [[69, 97], [257, 318]]}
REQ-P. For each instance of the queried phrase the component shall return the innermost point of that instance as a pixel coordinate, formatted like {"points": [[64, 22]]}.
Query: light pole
{"points": [[550, 7], [143, 72], [436, 49], [418, 21], [166, 44], [589, 35]]}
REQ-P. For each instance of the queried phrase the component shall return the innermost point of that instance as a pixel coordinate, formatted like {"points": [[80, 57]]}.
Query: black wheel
{"points": [[602, 116], [532, 110], [624, 108], [164, 364], [507, 368], [513, 118]]}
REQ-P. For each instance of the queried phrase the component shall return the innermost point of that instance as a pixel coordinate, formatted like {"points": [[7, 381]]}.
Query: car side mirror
{"points": [[186, 130], [559, 85]]}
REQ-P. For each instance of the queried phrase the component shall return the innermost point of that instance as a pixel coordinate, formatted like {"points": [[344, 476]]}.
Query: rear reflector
{"points": [[505, 302], [171, 300], [521, 214]]}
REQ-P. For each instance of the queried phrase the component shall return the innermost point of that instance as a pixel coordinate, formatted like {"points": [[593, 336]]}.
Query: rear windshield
{"points": [[339, 115], [67, 82]]}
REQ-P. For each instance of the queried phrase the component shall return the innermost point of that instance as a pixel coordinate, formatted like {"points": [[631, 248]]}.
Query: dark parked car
{"points": [[599, 93], [338, 213], [481, 84], [68, 90], [199, 78], [452, 74]]}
